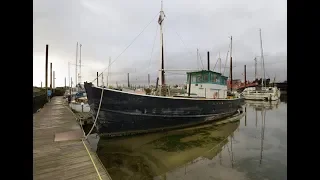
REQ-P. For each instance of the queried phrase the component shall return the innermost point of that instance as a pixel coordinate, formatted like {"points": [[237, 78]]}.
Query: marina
{"points": [[164, 112]]}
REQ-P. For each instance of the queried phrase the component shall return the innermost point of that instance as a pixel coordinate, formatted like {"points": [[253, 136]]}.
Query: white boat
{"points": [[264, 92], [80, 105], [261, 93]]}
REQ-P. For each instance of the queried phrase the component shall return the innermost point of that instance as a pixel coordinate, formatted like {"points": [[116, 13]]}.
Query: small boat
{"points": [[80, 105], [263, 92], [125, 113]]}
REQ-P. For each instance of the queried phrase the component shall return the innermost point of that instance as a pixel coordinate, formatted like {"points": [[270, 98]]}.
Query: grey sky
{"points": [[106, 28]]}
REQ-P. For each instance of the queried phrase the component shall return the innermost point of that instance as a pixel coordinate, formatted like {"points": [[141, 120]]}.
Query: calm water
{"points": [[253, 148]]}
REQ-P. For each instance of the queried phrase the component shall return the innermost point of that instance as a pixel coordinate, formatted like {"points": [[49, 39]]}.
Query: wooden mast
{"points": [[161, 75]]}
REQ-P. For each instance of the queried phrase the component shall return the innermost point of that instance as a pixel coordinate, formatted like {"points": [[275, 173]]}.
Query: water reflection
{"points": [[246, 149], [153, 155]]}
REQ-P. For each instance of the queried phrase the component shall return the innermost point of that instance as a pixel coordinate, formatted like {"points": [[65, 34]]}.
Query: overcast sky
{"points": [[106, 27]]}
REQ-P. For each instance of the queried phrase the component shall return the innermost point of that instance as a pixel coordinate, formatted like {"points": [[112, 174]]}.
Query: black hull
{"points": [[126, 113]]}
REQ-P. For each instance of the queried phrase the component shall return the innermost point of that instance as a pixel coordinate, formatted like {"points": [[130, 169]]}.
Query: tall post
{"points": [[97, 79], [53, 81], [70, 89], [41, 84], [46, 71], [208, 54], [51, 76], [149, 80], [65, 83], [231, 65], [128, 81], [189, 89], [245, 76]]}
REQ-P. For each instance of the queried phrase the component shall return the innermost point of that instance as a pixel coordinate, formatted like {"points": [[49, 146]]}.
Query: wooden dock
{"points": [[59, 152]]}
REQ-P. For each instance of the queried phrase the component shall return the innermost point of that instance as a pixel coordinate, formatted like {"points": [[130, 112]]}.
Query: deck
{"points": [[58, 149]]}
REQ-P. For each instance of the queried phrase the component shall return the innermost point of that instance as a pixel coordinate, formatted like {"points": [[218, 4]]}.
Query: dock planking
{"points": [[65, 159]]}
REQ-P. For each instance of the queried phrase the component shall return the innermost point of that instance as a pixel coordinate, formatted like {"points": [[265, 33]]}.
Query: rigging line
{"points": [[128, 45], [181, 40], [224, 69], [215, 65], [201, 61]]}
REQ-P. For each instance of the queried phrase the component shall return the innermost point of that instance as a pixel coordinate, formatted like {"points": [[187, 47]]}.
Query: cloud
{"points": [[106, 28]]}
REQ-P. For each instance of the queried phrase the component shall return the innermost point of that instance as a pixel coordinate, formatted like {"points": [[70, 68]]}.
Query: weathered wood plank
{"points": [[62, 159]]}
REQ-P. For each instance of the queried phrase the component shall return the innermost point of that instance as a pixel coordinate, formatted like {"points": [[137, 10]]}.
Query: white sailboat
{"points": [[79, 104], [262, 93]]}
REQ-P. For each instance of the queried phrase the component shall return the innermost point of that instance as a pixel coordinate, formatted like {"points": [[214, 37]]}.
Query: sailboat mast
{"points": [[79, 77], [231, 65], [160, 20], [255, 68], [262, 61], [76, 65]]}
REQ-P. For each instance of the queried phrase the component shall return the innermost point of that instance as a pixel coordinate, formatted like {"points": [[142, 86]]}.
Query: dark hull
{"points": [[126, 113]]}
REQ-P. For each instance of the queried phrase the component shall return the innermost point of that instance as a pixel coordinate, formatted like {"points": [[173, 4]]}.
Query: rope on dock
{"points": [[94, 124], [95, 167]]}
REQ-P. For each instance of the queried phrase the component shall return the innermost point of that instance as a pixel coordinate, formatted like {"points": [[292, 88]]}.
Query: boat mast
{"points": [[76, 65], [262, 61], [160, 20], [255, 68], [79, 77], [231, 65]]}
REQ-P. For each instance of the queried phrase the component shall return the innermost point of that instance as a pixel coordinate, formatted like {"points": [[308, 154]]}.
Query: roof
{"points": [[201, 71]]}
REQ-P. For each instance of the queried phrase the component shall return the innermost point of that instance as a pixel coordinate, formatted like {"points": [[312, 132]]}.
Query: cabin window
{"points": [[199, 78], [194, 79], [205, 78], [214, 78], [218, 79]]}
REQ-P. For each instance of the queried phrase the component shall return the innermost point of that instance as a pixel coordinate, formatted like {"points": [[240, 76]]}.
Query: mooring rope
{"points": [[94, 124], [95, 167]]}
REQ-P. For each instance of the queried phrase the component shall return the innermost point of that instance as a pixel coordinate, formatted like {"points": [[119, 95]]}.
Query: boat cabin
{"points": [[208, 84]]}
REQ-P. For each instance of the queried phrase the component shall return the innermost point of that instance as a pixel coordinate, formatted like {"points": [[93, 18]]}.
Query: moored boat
{"points": [[121, 113]]}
